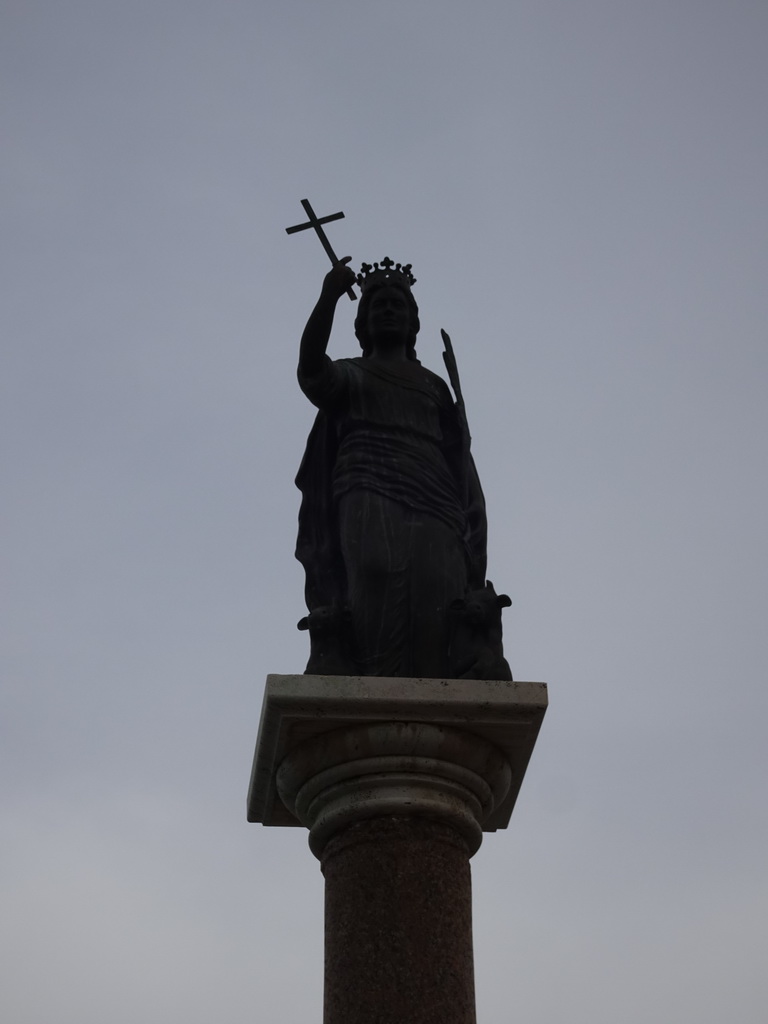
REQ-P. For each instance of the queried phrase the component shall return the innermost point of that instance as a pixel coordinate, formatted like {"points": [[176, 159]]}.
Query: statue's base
{"points": [[485, 729]]}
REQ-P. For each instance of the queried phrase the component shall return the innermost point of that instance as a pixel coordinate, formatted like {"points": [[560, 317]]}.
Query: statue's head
{"points": [[390, 286]]}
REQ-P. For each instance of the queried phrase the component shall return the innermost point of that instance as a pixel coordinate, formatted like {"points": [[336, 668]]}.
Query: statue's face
{"points": [[389, 316]]}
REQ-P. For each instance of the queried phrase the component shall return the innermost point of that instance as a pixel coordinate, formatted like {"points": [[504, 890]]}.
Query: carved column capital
{"points": [[393, 769]]}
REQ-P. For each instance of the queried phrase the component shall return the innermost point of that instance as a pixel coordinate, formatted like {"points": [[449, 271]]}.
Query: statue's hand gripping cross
{"points": [[316, 223]]}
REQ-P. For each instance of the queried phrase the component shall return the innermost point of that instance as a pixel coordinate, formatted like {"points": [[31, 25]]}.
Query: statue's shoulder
{"points": [[432, 376], [437, 382]]}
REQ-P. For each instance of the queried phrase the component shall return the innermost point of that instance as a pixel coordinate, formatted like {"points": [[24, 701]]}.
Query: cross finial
{"points": [[316, 222]]}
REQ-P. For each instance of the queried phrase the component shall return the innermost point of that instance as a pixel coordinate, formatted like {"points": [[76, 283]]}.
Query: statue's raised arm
{"points": [[314, 340]]}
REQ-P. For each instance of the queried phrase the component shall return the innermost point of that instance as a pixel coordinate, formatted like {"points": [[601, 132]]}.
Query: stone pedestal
{"points": [[396, 780]]}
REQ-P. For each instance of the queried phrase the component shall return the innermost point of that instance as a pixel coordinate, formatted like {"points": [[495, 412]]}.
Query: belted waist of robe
{"points": [[408, 468]]}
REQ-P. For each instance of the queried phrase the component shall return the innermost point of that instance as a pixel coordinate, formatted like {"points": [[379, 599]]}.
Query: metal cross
{"points": [[316, 222]]}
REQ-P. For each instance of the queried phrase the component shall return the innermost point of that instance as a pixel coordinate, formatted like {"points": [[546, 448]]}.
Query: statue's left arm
{"points": [[456, 435], [477, 528]]}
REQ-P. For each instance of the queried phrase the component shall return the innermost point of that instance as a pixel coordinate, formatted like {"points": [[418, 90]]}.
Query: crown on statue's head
{"points": [[384, 273]]}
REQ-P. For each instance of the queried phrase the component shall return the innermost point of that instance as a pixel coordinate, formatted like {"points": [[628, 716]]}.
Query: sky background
{"points": [[581, 188]]}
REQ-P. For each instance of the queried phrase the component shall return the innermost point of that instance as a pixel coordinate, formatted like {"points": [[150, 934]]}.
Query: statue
{"points": [[392, 526]]}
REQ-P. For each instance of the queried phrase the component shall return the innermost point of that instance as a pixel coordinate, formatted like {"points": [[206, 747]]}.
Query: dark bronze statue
{"points": [[392, 527]]}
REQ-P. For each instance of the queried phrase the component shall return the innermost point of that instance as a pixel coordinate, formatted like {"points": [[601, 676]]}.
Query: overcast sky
{"points": [[581, 188]]}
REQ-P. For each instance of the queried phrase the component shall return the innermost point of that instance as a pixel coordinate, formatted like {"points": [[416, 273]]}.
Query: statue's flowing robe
{"points": [[392, 523]]}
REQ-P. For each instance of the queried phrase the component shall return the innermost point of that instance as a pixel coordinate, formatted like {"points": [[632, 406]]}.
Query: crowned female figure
{"points": [[392, 528]]}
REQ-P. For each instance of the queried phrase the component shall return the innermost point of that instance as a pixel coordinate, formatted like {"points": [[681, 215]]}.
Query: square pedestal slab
{"points": [[299, 707]]}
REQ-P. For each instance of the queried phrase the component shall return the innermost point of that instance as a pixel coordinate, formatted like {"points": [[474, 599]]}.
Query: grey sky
{"points": [[581, 190]]}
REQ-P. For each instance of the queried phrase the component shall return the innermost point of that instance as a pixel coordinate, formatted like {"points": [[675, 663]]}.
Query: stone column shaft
{"points": [[398, 924]]}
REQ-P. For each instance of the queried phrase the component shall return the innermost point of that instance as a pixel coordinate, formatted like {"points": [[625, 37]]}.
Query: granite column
{"points": [[398, 924]]}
